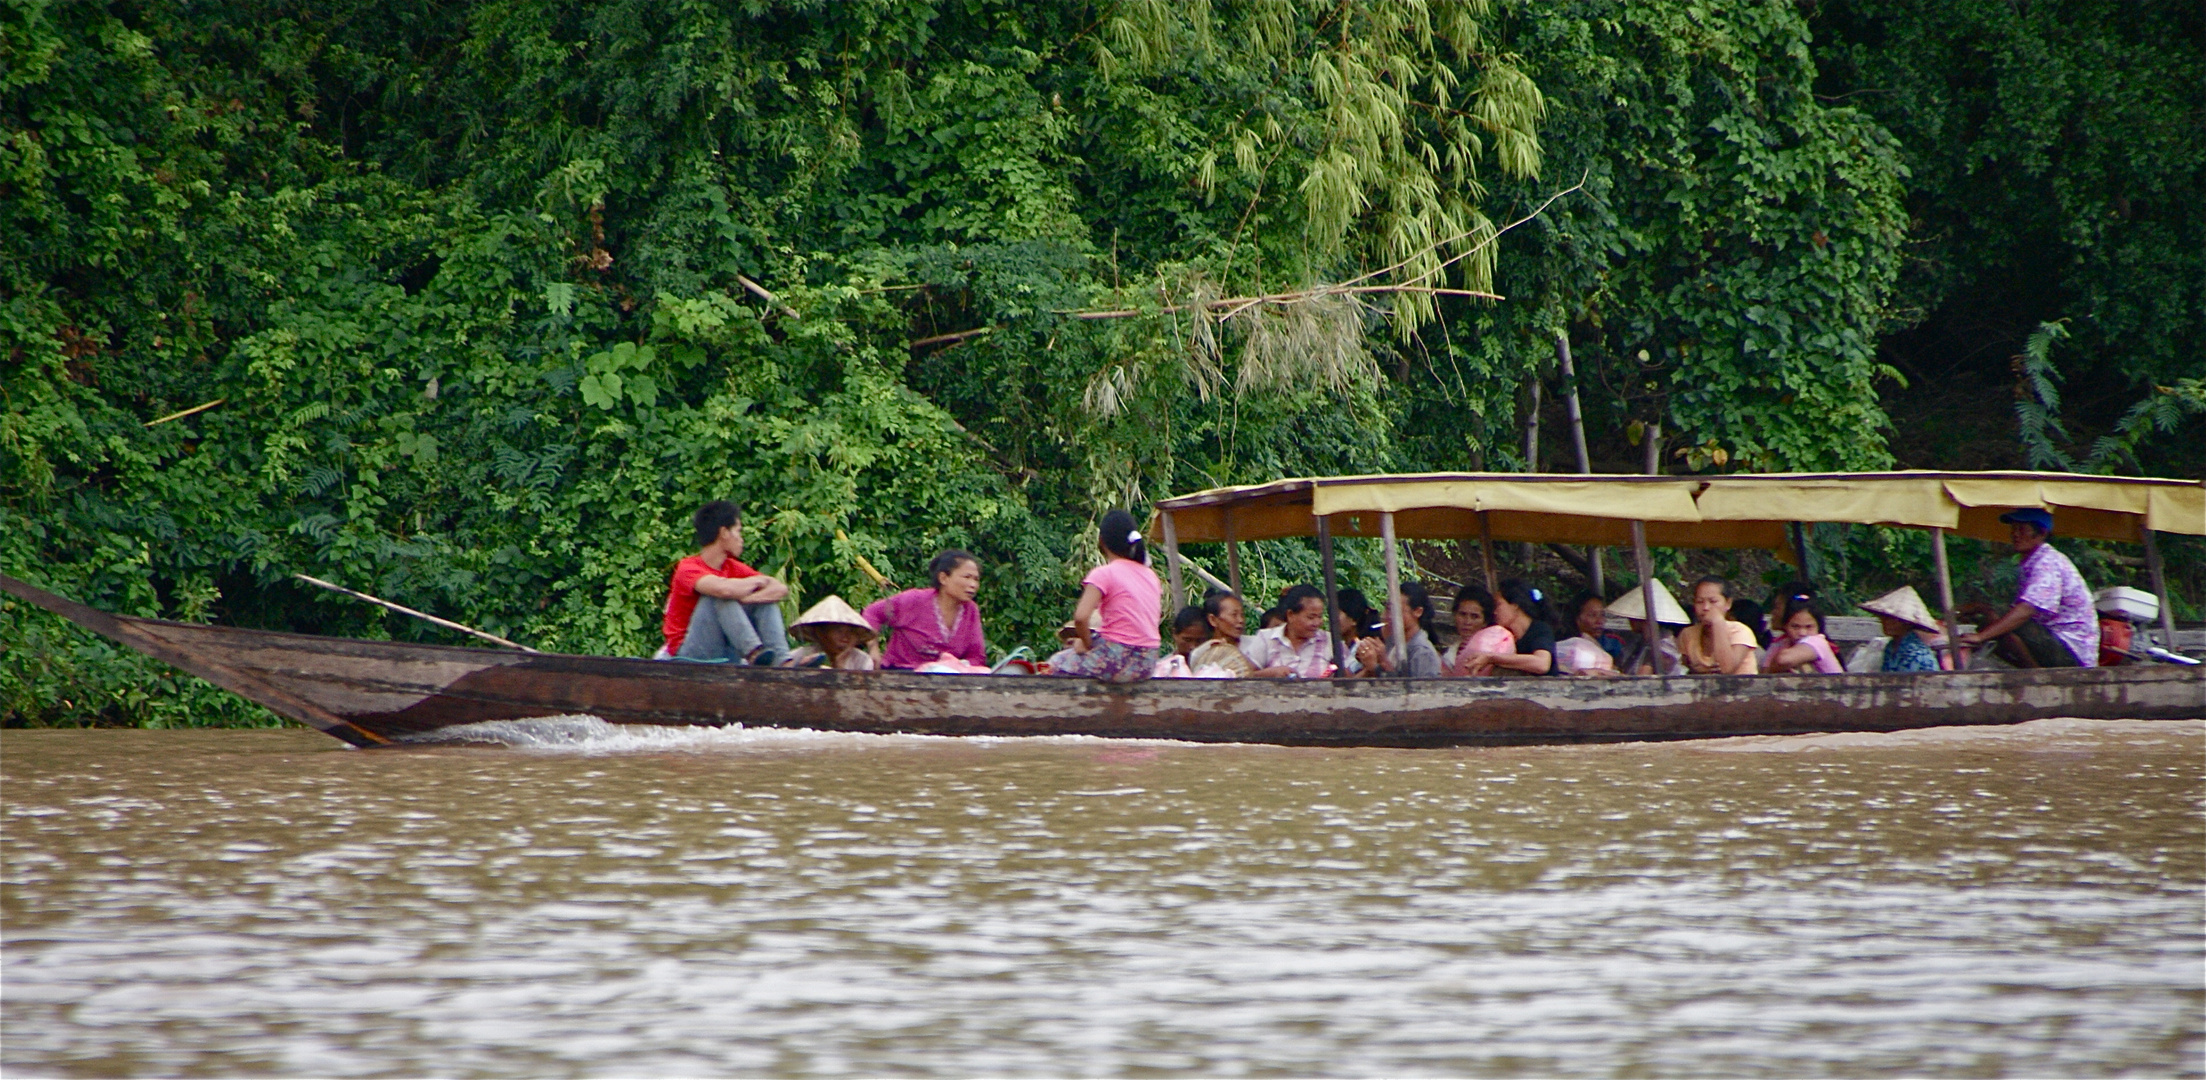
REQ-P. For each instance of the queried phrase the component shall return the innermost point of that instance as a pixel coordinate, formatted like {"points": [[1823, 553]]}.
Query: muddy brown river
{"points": [[586, 901]]}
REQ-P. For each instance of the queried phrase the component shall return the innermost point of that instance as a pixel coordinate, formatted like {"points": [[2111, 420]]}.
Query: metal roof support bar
{"points": [[2160, 588], [1395, 630], [1332, 592]]}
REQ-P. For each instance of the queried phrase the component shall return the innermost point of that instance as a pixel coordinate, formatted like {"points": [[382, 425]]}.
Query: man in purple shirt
{"points": [[2051, 624]]}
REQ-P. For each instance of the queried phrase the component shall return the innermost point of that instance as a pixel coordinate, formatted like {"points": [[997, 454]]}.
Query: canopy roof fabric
{"points": [[1684, 512]]}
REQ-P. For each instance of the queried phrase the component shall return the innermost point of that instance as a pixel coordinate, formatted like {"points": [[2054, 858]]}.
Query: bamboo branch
{"points": [[1234, 305], [186, 412], [759, 291], [944, 339], [404, 610]]}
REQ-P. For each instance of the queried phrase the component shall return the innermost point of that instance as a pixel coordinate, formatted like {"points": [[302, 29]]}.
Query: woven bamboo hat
{"points": [[1095, 626], [1904, 604], [833, 612], [1667, 611]]}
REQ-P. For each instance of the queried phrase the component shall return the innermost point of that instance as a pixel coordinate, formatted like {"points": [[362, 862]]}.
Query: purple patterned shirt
{"points": [[2050, 583]]}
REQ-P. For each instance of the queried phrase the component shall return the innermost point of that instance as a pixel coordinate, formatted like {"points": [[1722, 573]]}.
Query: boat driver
{"points": [[718, 609], [2052, 623]]}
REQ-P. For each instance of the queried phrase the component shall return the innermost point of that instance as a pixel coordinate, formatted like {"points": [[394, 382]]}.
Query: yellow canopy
{"points": [[1735, 511]]}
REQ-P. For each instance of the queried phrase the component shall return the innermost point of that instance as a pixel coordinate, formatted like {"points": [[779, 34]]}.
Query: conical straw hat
{"points": [[1667, 612], [1905, 605], [834, 612], [1095, 626]]}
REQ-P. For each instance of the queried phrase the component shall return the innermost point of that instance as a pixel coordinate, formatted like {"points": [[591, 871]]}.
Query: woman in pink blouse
{"points": [[923, 624]]}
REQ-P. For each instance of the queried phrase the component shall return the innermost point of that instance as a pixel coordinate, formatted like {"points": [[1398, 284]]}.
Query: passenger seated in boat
{"points": [[1417, 658], [1661, 657], [1127, 594], [1908, 623], [1190, 627], [1274, 616], [924, 624], [718, 609], [2052, 623], [1522, 610], [834, 637], [1749, 614], [1222, 613], [1803, 648], [1353, 620], [1788, 596], [1299, 647], [1714, 645], [1589, 616], [1471, 607]]}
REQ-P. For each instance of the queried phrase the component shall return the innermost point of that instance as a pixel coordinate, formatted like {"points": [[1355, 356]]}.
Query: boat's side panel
{"points": [[398, 690]]}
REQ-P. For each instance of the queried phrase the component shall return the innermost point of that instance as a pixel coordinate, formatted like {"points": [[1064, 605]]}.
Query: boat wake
{"points": [[2033, 735], [589, 734], [583, 733]]}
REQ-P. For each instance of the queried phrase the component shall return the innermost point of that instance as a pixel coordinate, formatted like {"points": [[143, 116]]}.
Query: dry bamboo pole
{"points": [[1954, 648], [404, 610]]}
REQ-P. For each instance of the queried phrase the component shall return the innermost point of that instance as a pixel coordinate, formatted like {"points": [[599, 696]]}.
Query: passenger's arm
{"points": [[1791, 658], [1536, 662], [1091, 598], [756, 589], [2002, 626], [1731, 657]]}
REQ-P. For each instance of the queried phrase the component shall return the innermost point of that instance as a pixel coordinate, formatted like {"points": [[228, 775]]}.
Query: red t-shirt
{"points": [[681, 594]]}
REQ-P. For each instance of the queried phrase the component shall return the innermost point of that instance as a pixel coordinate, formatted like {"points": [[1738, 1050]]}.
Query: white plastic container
{"points": [[2123, 602]]}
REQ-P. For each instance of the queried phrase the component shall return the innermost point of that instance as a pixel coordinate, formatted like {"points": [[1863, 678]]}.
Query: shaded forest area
{"points": [[489, 296]]}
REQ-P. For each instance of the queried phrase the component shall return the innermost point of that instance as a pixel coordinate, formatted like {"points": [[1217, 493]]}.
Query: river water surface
{"points": [[2009, 901]]}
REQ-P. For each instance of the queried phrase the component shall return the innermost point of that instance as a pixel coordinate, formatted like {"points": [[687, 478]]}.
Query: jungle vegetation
{"points": [[488, 296]]}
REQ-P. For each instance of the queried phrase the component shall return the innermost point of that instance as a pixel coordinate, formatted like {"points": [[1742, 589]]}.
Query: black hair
{"points": [[1415, 596], [1472, 592], [1121, 537], [1520, 593], [1214, 601], [1191, 615], [1578, 604], [1355, 604], [1721, 585], [1812, 607], [1291, 601], [1276, 611], [713, 517], [947, 563], [1750, 615], [1786, 595]]}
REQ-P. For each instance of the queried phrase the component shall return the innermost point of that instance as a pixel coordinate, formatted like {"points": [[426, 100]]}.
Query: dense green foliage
{"points": [[493, 294]]}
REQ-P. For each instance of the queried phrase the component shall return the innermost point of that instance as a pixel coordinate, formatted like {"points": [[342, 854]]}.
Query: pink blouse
{"points": [[1826, 660], [916, 633]]}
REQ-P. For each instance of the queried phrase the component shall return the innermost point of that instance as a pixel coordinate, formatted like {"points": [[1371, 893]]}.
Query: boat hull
{"points": [[376, 692]]}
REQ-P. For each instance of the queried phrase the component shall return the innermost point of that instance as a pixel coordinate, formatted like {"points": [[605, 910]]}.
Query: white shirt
{"points": [[1270, 648]]}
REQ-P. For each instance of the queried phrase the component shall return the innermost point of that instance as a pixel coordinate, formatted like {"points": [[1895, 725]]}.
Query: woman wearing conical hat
{"points": [[834, 637], [1907, 621]]}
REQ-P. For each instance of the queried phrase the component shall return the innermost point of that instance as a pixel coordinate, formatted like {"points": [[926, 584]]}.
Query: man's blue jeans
{"points": [[731, 630]]}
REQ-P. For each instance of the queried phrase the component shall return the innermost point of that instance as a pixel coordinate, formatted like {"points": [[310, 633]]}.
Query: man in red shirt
{"points": [[716, 607]]}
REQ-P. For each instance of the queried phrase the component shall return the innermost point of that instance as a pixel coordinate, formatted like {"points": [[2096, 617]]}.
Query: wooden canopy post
{"points": [[1945, 600], [1645, 562], [2160, 589], [1799, 535], [1233, 553], [1578, 442], [1486, 550], [1395, 628], [1172, 563], [1332, 592]]}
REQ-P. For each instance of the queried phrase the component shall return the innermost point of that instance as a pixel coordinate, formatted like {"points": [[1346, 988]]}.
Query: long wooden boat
{"points": [[372, 693]]}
